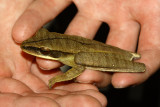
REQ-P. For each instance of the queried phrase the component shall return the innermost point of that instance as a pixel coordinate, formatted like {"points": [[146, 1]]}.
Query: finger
{"points": [[94, 94], [12, 100], [87, 27], [83, 26], [55, 92], [122, 80], [83, 100], [47, 95], [35, 102], [124, 34], [47, 64], [37, 14], [76, 87], [97, 78], [150, 55]]}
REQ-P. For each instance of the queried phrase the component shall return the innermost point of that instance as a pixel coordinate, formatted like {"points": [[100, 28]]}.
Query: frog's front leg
{"points": [[69, 75]]}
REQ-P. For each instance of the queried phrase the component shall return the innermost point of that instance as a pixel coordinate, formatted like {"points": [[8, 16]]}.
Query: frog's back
{"points": [[76, 42]]}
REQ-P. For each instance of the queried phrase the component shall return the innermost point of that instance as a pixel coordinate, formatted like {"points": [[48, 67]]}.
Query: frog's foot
{"points": [[69, 75]]}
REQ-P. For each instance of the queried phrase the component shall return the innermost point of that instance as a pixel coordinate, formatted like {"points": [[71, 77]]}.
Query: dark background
{"points": [[144, 95]]}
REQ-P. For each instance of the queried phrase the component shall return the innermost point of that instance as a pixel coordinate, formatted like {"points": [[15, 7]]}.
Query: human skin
{"points": [[23, 83], [131, 22]]}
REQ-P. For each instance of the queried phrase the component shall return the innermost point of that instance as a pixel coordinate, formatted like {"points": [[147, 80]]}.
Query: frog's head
{"points": [[44, 45], [42, 52]]}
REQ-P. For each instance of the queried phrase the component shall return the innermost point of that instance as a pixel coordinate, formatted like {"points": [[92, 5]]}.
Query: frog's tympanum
{"points": [[80, 53]]}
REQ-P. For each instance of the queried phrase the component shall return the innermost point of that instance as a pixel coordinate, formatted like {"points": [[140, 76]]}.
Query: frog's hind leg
{"points": [[69, 75]]}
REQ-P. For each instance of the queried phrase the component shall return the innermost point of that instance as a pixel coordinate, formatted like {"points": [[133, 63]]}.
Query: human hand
{"points": [[23, 83], [125, 18]]}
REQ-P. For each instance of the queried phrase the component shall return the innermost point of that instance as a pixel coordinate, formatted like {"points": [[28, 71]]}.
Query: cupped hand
{"points": [[23, 83], [131, 23]]}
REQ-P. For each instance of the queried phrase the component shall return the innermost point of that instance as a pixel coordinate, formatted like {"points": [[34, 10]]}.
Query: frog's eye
{"points": [[45, 51], [56, 54]]}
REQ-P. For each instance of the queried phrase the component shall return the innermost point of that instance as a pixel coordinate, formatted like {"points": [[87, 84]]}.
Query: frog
{"points": [[80, 53]]}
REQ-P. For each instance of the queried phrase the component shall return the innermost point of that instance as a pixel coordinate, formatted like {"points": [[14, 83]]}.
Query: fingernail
{"points": [[18, 42], [120, 85], [43, 68]]}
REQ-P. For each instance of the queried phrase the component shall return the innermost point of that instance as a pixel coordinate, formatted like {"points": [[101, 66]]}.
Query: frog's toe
{"points": [[51, 83]]}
